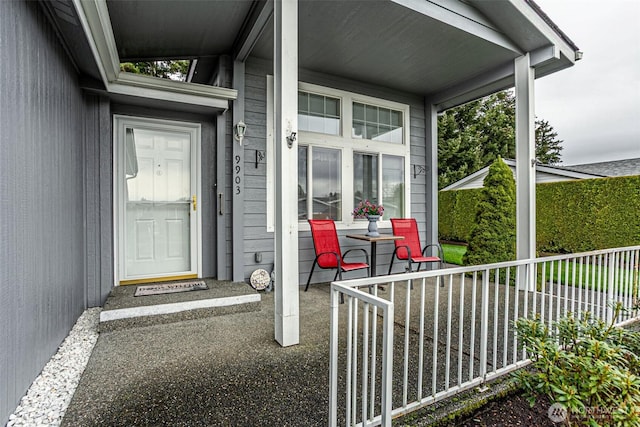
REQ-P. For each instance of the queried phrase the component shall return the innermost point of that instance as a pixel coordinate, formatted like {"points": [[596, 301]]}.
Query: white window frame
{"points": [[348, 146]]}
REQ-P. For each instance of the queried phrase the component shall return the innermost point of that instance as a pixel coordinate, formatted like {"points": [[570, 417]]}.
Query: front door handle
{"points": [[194, 202]]}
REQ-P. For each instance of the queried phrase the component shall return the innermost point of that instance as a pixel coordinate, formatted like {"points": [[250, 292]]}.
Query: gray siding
{"points": [[42, 269], [257, 239], [98, 175]]}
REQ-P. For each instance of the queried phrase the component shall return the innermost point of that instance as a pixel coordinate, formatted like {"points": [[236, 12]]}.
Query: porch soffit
{"points": [[159, 29], [387, 45], [396, 44]]}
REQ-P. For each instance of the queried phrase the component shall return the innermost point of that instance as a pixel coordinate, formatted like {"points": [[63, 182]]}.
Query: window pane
{"points": [[316, 105], [378, 124], [393, 186], [396, 118], [371, 131], [365, 178], [303, 102], [358, 112], [332, 107], [302, 182], [371, 114], [327, 184], [358, 130], [318, 113], [385, 116]]}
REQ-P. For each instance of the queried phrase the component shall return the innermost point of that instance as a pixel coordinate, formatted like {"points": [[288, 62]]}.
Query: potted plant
{"points": [[372, 212]]}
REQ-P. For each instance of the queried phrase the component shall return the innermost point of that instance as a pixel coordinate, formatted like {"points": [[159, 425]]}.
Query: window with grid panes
{"points": [[350, 148]]}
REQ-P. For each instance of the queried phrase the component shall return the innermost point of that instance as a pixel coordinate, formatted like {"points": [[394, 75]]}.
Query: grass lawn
{"points": [[593, 276], [586, 276], [453, 253]]}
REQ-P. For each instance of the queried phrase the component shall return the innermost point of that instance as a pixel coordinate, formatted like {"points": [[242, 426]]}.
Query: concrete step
{"points": [[123, 310]]}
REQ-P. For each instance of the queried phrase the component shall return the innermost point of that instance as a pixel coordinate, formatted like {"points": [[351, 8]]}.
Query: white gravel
{"points": [[50, 393]]}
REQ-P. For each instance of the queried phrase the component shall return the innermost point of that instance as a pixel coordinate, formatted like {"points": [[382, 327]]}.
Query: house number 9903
{"points": [[237, 179]]}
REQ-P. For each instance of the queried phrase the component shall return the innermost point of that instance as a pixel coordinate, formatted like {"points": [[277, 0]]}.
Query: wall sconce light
{"points": [[418, 170], [291, 138], [239, 130]]}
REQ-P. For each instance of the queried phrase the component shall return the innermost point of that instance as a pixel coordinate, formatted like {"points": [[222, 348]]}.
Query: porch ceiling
{"points": [[439, 48], [387, 45], [159, 29]]}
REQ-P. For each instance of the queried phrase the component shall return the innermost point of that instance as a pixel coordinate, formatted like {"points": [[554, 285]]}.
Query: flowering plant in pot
{"points": [[366, 209]]}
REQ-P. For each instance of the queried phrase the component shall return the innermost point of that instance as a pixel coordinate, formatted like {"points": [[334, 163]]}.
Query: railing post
{"points": [[387, 365], [484, 323], [333, 360], [611, 285]]}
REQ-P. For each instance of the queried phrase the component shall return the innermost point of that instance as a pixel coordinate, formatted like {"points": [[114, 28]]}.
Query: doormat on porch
{"points": [[170, 288]]}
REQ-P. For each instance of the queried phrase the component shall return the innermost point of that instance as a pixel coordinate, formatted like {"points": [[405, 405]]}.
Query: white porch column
{"points": [[431, 139], [525, 163], [285, 63]]}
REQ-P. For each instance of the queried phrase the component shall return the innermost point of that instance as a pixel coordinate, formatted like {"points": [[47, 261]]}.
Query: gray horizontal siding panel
{"points": [[42, 264]]}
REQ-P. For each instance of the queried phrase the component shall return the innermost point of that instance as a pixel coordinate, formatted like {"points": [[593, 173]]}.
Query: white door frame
{"points": [[120, 122]]}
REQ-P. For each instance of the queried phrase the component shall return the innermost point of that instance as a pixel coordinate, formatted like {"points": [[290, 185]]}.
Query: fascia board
{"points": [[194, 89], [252, 30], [163, 95], [549, 33], [544, 55], [96, 23], [462, 16], [497, 79], [462, 182], [556, 170], [566, 173]]}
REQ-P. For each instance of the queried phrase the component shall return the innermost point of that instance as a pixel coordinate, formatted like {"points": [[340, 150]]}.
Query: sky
{"points": [[595, 105]]}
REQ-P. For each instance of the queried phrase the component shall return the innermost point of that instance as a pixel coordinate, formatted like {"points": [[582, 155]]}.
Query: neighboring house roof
{"points": [[544, 173], [625, 167]]}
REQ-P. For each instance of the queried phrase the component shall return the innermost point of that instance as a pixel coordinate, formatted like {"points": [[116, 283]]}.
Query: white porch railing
{"points": [[402, 342]]}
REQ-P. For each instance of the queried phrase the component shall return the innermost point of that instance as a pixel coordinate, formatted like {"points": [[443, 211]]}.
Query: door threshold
{"points": [[158, 279]]}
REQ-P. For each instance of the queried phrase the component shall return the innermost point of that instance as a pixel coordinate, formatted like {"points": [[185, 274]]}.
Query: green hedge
{"points": [[572, 216], [457, 213]]}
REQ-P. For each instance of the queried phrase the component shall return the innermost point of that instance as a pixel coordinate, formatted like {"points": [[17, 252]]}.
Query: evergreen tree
{"points": [[473, 135], [170, 69], [493, 236], [548, 146]]}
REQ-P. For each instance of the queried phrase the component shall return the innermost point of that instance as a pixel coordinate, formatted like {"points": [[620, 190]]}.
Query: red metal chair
{"points": [[328, 253], [409, 249]]}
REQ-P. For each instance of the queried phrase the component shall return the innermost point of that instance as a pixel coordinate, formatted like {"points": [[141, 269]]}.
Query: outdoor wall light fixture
{"points": [[291, 138], [239, 130]]}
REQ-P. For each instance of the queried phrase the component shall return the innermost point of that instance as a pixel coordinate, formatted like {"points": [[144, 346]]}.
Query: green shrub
{"points": [[493, 237], [589, 367]]}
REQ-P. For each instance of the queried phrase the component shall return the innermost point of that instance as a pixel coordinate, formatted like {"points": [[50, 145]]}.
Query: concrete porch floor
{"points": [[123, 310], [224, 371]]}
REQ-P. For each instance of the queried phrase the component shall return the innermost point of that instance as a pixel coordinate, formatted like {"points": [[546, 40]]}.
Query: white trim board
{"points": [[178, 307]]}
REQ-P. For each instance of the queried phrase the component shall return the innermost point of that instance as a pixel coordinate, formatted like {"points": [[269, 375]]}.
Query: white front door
{"points": [[157, 199]]}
